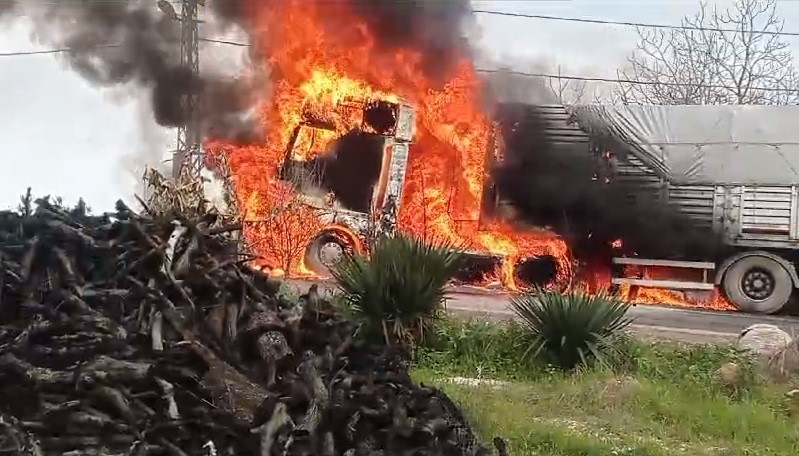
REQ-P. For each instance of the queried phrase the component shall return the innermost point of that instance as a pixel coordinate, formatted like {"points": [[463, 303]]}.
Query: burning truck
{"points": [[347, 164], [730, 173], [693, 164], [369, 123]]}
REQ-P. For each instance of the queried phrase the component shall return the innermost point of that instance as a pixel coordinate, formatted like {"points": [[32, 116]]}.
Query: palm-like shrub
{"points": [[396, 292], [574, 329]]}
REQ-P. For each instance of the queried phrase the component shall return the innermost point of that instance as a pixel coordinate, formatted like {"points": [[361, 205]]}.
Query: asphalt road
{"points": [[687, 325]]}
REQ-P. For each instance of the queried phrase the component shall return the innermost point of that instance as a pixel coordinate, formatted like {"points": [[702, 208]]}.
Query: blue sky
{"points": [[62, 136]]}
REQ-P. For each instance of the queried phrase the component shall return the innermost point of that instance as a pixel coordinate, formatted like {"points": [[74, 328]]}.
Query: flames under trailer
{"points": [[733, 170]]}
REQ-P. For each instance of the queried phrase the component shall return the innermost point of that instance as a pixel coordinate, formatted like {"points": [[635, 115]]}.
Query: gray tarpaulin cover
{"points": [[705, 144]]}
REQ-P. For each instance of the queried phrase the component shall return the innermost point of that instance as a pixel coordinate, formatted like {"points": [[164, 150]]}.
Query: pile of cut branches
{"points": [[130, 335]]}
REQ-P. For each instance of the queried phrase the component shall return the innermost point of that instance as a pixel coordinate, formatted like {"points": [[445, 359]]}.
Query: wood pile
{"points": [[130, 335]]}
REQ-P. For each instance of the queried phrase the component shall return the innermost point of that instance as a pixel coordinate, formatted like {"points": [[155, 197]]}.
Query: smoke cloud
{"points": [[112, 43], [7, 6], [562, 186], [118, 42], [433, 27]]}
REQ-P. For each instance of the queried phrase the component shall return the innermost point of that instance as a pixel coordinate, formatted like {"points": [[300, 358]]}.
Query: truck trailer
{"points": [[733, 170]]}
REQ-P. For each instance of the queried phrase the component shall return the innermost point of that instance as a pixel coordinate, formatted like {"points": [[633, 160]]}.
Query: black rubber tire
{"points": [[733, 289], [313, 258]]}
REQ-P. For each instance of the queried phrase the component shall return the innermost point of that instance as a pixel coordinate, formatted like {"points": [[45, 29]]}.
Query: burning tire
{"points": [[758, 284], [536, 271], [326, 250]]}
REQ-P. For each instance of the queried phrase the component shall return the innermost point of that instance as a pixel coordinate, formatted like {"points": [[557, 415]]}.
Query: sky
{"points": [[63, 137]]}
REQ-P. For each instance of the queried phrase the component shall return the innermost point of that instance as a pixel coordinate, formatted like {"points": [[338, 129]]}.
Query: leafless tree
{"points": [[281, 237], [512, 85], [567, 91], [711, 66]]}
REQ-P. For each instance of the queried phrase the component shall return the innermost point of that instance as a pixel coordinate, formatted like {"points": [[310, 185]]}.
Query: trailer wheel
{"points": [[325, 251], [757, 284]]}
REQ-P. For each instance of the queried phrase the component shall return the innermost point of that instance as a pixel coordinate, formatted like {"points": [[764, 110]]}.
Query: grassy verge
{"points": [[668, 400]]}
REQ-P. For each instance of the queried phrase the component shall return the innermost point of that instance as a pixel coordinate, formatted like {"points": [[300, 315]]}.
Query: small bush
{"points": [[396, 293], [575, 329]]}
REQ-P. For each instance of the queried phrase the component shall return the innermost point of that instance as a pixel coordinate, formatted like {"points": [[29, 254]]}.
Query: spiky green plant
{"points": [[395, 293], [574, 329]]}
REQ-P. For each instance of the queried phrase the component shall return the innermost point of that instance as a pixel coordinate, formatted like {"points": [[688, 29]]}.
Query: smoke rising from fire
{"points": [[435, 28], [112, 43], [562, 186]]}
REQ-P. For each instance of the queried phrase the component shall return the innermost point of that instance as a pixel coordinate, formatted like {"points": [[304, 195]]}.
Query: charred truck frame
{"points": [[354, 182], [380, 136], [733, 170]]}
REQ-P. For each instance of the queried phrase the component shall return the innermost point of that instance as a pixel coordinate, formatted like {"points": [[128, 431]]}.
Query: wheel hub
{"points": [[330, 253], [758, 284]]}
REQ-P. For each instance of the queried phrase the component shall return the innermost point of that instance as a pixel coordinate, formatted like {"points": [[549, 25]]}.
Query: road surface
{"points": [[687, 325]]}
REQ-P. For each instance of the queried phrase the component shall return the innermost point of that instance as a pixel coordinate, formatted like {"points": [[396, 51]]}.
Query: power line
{"points": [[551, 18], [232, 43], [62, 50], [47, 51], [488, 71], [579, 78], [583, 78], [53, 51], [631, 81], [630, 24], [486, 12]]}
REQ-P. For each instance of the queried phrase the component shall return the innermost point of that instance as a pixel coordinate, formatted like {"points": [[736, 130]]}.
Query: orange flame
{"points": [[312, 65], [713, 300]]}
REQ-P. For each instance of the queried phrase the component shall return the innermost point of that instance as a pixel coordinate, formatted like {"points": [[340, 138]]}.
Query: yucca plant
{"points": [[396, 292], [575, 329]]}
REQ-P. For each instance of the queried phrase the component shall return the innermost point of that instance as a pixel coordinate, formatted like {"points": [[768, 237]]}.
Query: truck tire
{"points": [[758, 284], [324, 251]]}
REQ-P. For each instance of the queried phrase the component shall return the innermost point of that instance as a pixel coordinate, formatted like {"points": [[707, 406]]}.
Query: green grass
{"points": [[667, 401]]}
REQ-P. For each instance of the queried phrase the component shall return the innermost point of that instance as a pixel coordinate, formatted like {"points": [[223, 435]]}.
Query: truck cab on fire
{"points": [[348, 162]]}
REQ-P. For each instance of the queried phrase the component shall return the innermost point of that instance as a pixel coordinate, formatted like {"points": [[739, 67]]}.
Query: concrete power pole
{"points": [[188, 157]]}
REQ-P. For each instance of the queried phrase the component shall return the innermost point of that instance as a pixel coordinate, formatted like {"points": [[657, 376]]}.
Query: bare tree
{"points": [[512, 85], [567, 91], [281, 237], [711, 66]]}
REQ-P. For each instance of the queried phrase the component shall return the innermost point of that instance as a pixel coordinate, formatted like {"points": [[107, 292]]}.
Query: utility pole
{"points": [[188, 159]]}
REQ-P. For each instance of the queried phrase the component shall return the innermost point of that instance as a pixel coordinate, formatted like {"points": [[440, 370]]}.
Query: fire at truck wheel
{"points": [[758, 284], [536, 271], [326, 250]]}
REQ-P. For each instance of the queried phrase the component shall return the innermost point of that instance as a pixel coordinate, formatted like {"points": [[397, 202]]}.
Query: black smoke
{"points": [[562, 186], [234, 11], [113, 43], [128, 42], [433, 27]]}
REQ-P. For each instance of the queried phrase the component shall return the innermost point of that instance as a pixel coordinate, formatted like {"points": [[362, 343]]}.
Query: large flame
{"points": [[311, 61]]}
